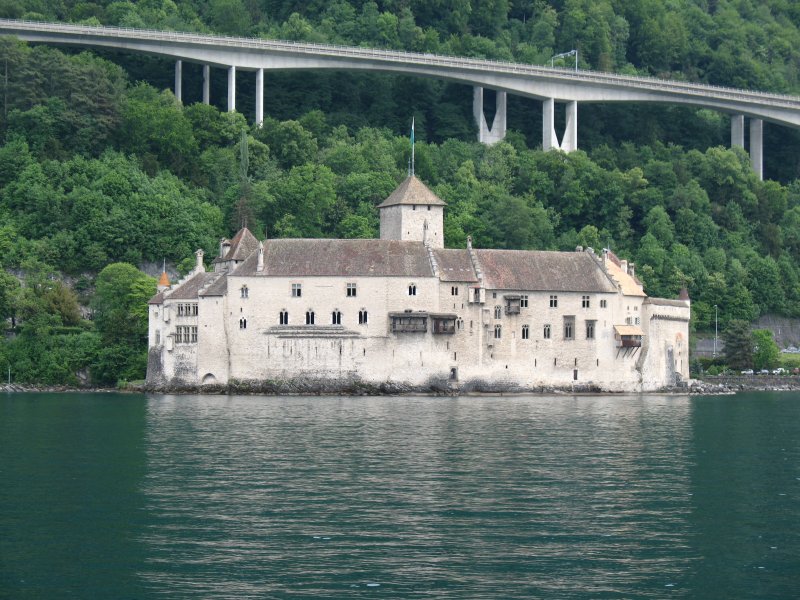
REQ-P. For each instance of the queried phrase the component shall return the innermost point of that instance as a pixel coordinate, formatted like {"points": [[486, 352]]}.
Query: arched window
{"points": [[310, 317], [362, 316], [525, 332], [412, 289], [245, 292], [547, 332], [284, 317], [336, 318], [497, 312], [242, 323], [498, 331]]}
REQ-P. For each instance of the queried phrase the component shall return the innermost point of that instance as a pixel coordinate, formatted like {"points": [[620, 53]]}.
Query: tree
{"points": [[766, 354], [120, 304], [738, 345]]}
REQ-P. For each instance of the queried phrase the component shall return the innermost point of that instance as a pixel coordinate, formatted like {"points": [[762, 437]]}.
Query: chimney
{"points": [[199, 267], [623, 264], [224, 246], [631, 270], [260, 265]]}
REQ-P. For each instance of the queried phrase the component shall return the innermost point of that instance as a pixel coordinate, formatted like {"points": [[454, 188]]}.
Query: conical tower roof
{"points": [[412, 191], [164, 281]]}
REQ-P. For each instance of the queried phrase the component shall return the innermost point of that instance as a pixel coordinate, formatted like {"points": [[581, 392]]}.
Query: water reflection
{"points": [[472, 497]]}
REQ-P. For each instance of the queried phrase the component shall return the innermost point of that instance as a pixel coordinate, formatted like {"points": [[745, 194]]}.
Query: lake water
{"points": [[133, 496]]}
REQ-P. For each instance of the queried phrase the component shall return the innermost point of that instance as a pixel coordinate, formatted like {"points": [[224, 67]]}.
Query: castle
{"points": [[403, 310]]}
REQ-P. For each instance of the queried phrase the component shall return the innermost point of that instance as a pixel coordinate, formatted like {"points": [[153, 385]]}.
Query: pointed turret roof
{"points": [[412, 191], [164, 281], [241, 246]]}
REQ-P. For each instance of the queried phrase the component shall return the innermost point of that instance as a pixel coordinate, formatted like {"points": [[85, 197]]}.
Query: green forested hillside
{"points": [[100, 164]]}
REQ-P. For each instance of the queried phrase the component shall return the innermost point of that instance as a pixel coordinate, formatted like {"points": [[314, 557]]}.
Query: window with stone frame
{"points": [[546, 332], [283, 317], [412, 289], [498, 331], [553, 301], [498, 312], [245, 293], [242, 323], [569, 328], [363, 316], [309, 317], [336, 318], [454, 290], [584, 301], [297, 290], [523, 301], [351, 290], [603, 303], [590, 330], [193, 336], [525, 332]]}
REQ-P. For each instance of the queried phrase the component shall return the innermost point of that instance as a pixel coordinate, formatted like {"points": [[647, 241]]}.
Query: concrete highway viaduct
{"points": [[548, 85]]}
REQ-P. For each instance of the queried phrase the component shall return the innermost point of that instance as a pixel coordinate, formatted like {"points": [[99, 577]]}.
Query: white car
{"points": [[747, 372]]}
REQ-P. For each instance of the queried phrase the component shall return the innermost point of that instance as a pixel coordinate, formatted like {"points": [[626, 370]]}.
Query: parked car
{"points": [[747, 372], [764, 372], [779, 371]]}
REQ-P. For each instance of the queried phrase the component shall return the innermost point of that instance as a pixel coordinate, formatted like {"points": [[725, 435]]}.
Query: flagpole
{"points": [[412, 145]]}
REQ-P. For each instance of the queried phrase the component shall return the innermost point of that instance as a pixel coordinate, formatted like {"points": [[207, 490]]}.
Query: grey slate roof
{"points": [[218, 287], [455, 265], [412, 191], [345, 258], [542, 271], [242, 245], [666, 302], [189, 289]]}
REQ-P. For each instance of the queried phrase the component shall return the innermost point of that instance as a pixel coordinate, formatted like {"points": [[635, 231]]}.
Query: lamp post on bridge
{"points": [[564, 55]]}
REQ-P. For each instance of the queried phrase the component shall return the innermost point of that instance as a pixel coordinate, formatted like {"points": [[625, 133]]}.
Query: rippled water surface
{"points": [[124, 496]]}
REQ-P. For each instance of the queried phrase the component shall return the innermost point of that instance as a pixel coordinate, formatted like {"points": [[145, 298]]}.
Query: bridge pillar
{"points": [[206, 84], [549, 136], [498, 131], [179, 80], [737, 131], [570, 141], [756, 146], [231, 89], [259, 97]]}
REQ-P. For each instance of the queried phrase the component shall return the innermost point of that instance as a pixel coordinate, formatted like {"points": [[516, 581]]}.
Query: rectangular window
{"points": [[584, 301], [547, 332], [194, 310], [569, 328], [180, 310], [186, 334], [636, 321], [523, 301], [297, 290], [194, 335], [158, 338], [553, 301], [590, 330], [351, 290]]}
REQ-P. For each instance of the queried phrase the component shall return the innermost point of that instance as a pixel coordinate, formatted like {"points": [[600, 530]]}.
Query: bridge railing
{"points": [[438, 60]]}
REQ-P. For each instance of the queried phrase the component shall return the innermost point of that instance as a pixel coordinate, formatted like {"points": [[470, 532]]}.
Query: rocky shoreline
{"points": [[323, 387]]}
